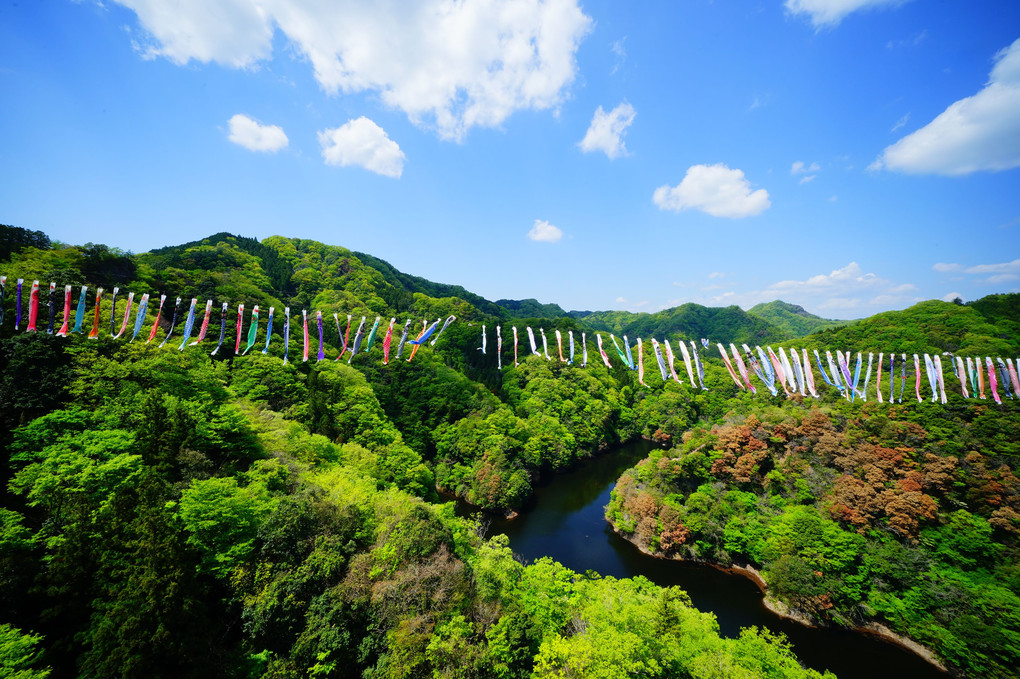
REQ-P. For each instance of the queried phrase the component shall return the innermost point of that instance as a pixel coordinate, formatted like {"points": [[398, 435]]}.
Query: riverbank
{"points": [[872, 629]]}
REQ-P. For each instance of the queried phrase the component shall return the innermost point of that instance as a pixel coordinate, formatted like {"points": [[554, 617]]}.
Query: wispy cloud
{"points": [[804, 171], [607, 130], [829, 13]]}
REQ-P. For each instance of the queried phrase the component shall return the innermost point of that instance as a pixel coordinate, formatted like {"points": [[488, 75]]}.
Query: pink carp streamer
{"points": [[992, 382], [729, 366], [33, 307], [387, 341], [127, 315]]}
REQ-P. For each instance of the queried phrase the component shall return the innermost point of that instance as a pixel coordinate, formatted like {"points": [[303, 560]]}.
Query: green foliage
{"points": [[19, 655], [791, 319]]}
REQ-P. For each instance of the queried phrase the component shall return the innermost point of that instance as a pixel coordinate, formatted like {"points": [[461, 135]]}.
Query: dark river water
{"points": [[567, 524]]}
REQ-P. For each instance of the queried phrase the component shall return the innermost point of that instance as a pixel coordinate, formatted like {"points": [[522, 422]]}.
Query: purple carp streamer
{"points": [[113, 312], [94, 332], [515, 346], [173, 323], [602, 352], [79, 315], [403, 337], [269, 329], [657, 350], [205, 322], [33, 307], [371, 335], [992, 383], [671, 360], [878, 377], [253, 329], [810, 375], [143, 309], [240, 320], [318, 322], [446, 324], [903, 376], [531, 339], [357, 340], [223, 326], [304, 318], [189, 324], [286, 333], [687, 362], [127, 312], [892, 376], [389, 340], [52, 306], [699, 365], [17, 317], [729, 366]]}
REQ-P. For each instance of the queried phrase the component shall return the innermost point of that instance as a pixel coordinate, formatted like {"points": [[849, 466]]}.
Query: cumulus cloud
{"points": [[949, 297], [607, 129], [828, 13], [364, 144], [713, 189], [254, 136], [544, 232], [977, 133], [447, 66]]}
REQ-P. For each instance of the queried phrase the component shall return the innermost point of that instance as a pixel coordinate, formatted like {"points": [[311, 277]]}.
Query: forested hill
{"points": [[792, 319], [722, 324], [168, 509]]}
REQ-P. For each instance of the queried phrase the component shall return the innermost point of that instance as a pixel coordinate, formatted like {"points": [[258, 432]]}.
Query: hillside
{"points": [[690, 321], [791, 319]]}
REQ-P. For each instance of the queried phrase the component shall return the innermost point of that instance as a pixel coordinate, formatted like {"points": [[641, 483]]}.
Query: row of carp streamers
{"points": [[427, 332], [792, 372]]}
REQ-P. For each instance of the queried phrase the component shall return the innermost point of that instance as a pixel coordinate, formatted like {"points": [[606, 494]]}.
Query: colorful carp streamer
{"points": [[570, 334], [269, 330], [347, 335], [687, 361], [531, 338], [33, 307], [482, 348], [941, 379], [304, 317], [515, 346], [357, 340], [223, 329], [699, 365], [79, 315], [657, 350], [991, 380], [173, 323], [94, 332], [240, 320], [559, 345], [809, 375], [286, 333], [52, 306], [499, 349], [878, 377], [318, 322], [1013, 377], [3, 293], [602, 352], [423, 337], [253, 330], [619, 352], [729, 365], [584, 350], [917, 378], [371, 334], [389, 340], [17, 317], [143, 309], [113, 311], [205, 323], [641, 364], [798, 371], [127, 314], [630, 359], [671, 360], [960, 368], [189, 324], [929, 368], [867, 376], [403, 337], [446, 324], [545, 345]]}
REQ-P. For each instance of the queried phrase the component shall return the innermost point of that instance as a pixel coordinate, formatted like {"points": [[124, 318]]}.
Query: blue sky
{"points": [[851, 156]]}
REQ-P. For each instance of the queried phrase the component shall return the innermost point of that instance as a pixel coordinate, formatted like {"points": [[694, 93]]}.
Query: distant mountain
{"points": [[793, 320], [691, 321], [530, 308]]}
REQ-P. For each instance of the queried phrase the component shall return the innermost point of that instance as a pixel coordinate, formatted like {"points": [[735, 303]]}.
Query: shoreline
{"points": [[873, 629]]}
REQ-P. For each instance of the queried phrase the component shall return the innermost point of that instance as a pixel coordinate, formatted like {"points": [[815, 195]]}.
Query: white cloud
{"points": [[716, 274], [254, 136], [1001, 278], [607, 129], [901, 122], [621, 300], [977, 133], [830, 12], [364, 144], [945, 267], [951, 296], [447, 65], [799, 167], [1004, 267], [544, 232], [714, 189]]}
